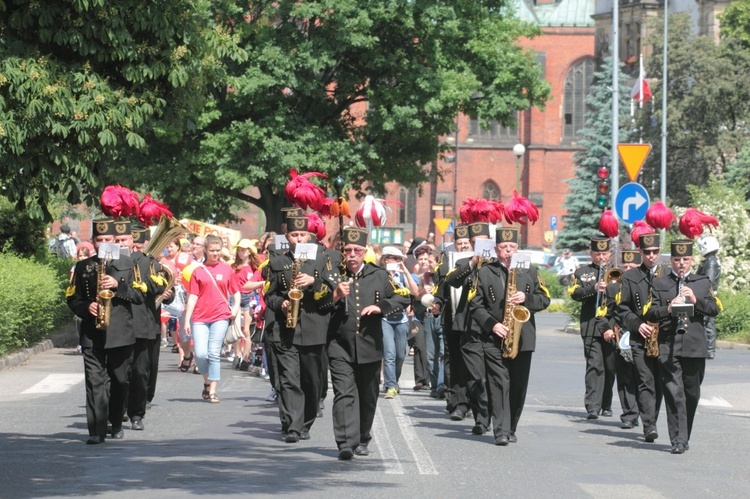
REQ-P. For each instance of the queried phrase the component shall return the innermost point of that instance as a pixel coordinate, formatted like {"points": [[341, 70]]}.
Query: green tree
{"points": [[738, 173], [708, 99], [583, 214], [84, 80], [347, 87], [735, 21]]}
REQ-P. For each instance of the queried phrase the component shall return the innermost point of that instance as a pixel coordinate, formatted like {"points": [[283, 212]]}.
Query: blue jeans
{"points": [[207, 341], [433, 331], [394, 352]]}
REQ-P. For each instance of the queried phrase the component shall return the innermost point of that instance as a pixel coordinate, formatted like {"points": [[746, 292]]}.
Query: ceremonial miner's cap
{"points": [[292, 211], [506, 235], [355, 235], [103, 227], [479, 229], [649, 240], [122, 227], [599, 243], [682, 247], [461, 232], [631, 256], [296, 224], [140, 233]]}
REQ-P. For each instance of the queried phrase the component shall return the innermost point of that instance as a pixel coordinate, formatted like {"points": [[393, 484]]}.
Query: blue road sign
{"points": [[553, 222], [631, 202], [449, 230]]}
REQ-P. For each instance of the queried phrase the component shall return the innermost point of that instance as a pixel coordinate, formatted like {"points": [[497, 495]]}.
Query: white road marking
{"points": [[421, 456], [714, 402], [55, 383], [615, 491], [383, 442]]}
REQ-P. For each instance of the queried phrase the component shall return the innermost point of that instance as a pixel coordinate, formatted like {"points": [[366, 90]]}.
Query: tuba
{"points": [[168, 229], [513, 318], [295, 297], [103, 298]]}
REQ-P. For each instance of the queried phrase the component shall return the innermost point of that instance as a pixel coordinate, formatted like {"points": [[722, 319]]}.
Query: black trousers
{"points": [[649, 386], [519, 370], [153, 358], [324, 379], [271, 364], [355, 399], [106, 373], [681, 379], [489, 381], [627, 388], [421, 364], [139, 377], [600, 373], [457, 378], [300, 377]]}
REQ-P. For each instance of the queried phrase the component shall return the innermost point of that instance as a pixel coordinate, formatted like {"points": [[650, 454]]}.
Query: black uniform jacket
{"points": [[610, 320], [315, 306], [460, 278], [147, 315], [583, 289], [82, 293], [693, 342], [635, 293], [487, 308], [359, 339]]}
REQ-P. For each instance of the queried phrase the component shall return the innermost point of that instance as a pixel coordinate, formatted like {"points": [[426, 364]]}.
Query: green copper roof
{"points": [[558, 13]]}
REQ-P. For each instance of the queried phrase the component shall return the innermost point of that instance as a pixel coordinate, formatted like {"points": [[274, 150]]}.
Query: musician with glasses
{"points": [[299, 350], [365, 294], [589, 289], [506, 377], [635, 294], [682, 339]]}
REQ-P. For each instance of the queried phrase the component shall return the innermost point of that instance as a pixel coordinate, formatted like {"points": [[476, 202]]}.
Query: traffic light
{"points": [[602, 196]]}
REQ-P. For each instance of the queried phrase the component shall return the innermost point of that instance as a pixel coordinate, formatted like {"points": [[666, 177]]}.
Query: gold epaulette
{"points": [[140, 286], [572, 288], [543, 286], [159, 280], [70, 291], [718, 302], [319, 295], [601, 311], [618, 296]]}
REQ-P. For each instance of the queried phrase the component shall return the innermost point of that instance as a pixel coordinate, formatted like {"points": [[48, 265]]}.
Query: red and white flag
{"points": [[641, 92]]}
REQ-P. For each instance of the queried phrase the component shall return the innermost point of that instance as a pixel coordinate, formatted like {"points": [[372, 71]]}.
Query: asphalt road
{"points": [[192, 448]]}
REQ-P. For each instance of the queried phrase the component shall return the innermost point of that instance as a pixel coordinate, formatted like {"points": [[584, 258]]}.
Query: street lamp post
{"points": [[453, 141], [519, 151]]}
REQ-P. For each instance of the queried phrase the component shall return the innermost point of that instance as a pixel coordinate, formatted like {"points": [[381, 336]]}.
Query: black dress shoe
{"points": [[118, 434], [458, 415], [512, 438], [606, 413], [292, 437], [627, 425], [362, 450], [687, 446], [592, 415], [479, 429], [305, 435], [502, 440], [651, 435], [137, 424], [96, 439], [345, 454], [678, 449]]}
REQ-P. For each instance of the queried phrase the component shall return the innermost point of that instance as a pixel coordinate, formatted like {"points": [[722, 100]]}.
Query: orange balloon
{"points": [[187, 273]]}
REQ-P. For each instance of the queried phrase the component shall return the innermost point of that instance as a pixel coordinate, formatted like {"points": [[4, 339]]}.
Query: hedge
{"points": [[32, 300], [735, 318]]}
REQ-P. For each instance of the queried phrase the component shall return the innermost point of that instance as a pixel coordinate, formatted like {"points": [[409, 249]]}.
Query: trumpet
{"points": [[103, 298]]}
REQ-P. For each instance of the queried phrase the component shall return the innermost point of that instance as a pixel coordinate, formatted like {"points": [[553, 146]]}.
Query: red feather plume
{"points": [[316, 226], [692, 222], [480, 210], [151, 211], [301, 192], [521, 210], [608, 224], [659, 216], [640, 228], [117, 201]]}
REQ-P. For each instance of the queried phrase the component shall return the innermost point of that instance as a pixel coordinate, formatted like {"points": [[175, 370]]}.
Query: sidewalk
{"points": [[65, 337]]}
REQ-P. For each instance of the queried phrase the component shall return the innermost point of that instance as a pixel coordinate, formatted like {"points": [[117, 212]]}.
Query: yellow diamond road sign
{"points": [[633, 156]]}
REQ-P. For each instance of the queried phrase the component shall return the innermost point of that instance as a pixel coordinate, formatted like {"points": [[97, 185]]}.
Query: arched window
{"points": [[577, 85], [406, 210], [491, 191]]}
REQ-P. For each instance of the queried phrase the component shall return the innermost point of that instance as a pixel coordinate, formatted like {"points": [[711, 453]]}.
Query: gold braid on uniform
{"points": [[646, 307], [319, 295], [543, 286], [572, 288], [157, 278], [70, 291], [716, 297], [398, 289]]}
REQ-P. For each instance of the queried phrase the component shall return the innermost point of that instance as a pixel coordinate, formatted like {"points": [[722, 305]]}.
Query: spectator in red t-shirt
{"points": [[246, 262], [207, 314]]}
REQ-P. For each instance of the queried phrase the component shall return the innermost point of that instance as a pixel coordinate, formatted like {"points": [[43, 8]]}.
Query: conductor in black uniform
{"points": [[299, 351], [682, 340], [107, 352], [364, 295], [589, 288], [635, 294]]}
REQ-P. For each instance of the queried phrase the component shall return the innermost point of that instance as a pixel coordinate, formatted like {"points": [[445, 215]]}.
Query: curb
{"points": [[67, 336]]}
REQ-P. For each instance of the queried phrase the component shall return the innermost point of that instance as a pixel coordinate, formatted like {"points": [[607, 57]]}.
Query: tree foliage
{"points": [[583, 214], [83, 81], [708, 106], [735, 22], [347, 87]]}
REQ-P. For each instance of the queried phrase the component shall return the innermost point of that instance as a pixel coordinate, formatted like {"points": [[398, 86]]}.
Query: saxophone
{"points": [[295, 297], [513, 318], [651, 345], [103, 298]]}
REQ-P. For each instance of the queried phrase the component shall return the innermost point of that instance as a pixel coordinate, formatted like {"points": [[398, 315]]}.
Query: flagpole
{"points": [[615, 100], [663, 193]]}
